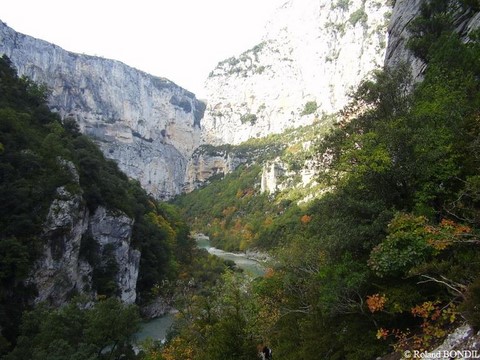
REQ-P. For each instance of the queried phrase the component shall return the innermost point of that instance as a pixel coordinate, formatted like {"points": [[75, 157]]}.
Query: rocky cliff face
{"points": [[314, 51], [60, 271], [112, 233], [72, 235], [207, 162], [404, 12], [148, 125]]}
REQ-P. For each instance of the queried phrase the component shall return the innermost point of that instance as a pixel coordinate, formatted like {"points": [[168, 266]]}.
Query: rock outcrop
{"points": [[208, 161], [276, 176], [60, 272], [462, 343], [404, 12], [148, 125], [112, 233], [314, 51], [73, 237], [271, 173]]}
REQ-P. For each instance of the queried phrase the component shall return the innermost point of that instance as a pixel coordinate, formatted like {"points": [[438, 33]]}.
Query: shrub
{"points": [[248, 118], [341, 4], [260, 69], [404, 247], [358, 16], [310, 108]]}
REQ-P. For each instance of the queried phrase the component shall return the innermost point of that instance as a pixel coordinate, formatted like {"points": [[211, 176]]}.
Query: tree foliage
{"points": [[78, 331], [40, 153]]}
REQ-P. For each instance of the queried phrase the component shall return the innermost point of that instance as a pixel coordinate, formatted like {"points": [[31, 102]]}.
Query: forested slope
{"points": [[386, 258], [43, 162]]}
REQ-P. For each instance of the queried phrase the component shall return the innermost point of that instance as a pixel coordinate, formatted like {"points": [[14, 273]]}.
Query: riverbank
{"points": [[155, 329], [251, 262], [162, 315]]}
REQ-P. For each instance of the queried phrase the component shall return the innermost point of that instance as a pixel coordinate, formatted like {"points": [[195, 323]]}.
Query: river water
{"points": [[250, 266], [157, 328]]}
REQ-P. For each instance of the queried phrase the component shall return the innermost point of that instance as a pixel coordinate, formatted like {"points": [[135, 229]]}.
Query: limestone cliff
{"points": [[403, 13], [59, 272], [148, 125], [313, 51], [274, 174], [113, 232], [73, 238], [208, 161]]}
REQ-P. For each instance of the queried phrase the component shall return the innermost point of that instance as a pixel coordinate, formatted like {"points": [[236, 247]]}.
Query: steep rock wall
{"points": [[71, 236], [113, 233], [148, 125], [205, 164], [59, 272], [403, 13], [313, 50]]}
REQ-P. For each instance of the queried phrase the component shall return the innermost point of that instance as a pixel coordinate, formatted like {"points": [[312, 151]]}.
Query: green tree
{"points": [[77, 331], [404, 247], [219, 324]]}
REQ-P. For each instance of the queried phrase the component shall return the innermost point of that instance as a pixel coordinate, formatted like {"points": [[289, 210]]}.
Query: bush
{"points": [[310, 108], [341, 4], [358, 16], [405, 246], [248, 118]]}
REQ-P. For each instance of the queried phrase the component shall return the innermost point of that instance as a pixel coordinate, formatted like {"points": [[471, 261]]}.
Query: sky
{"points": [[181, 40]]}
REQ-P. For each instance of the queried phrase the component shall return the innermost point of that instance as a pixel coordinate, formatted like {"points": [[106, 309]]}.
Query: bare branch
{"points": [[304, 310], [457, 288]]}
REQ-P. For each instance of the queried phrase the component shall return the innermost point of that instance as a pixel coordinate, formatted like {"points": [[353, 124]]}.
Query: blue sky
{"points": [[181, 40]]}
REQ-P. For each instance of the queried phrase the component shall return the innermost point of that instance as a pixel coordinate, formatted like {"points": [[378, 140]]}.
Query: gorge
{"points": [[359, 203], [151, 127]]}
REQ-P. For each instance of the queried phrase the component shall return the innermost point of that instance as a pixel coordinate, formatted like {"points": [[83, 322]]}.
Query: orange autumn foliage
{"points": [[376, 302], [447, 233], [305, 219]]}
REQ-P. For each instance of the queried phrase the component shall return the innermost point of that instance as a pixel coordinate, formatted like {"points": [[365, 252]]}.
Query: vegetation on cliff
{"points": [[232, 209], [387, 258], [38, 154], [384, 257]]}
